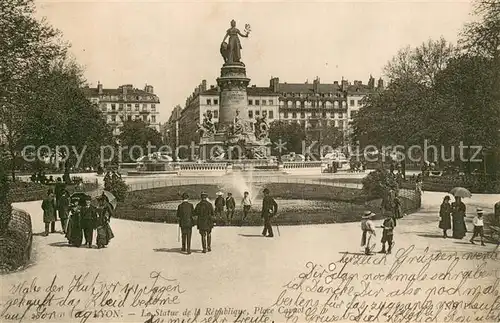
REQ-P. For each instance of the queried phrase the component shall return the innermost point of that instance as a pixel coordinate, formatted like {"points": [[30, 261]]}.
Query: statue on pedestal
{"points": [[231, 51], [207, 128], [237, 126], [262, 127]]}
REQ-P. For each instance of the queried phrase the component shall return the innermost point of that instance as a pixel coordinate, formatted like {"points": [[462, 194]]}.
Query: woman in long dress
{"points": [[368, 235], [74, 232], [233, 44], [104, 232], [445, 216], [458, 215]]}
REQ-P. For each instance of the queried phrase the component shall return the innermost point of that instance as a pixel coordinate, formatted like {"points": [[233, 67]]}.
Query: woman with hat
{"points": [[368, 229], [104, 232], [458, 214], [445, 216], [74, 232]]}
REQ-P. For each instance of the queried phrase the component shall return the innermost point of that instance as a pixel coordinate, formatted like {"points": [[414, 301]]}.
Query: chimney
{"points": [[212, 86], [124, 90], [203, 85], [344, 84], [149, 89], [380, 84], [316, 85], [99, 87], [274, 84]]}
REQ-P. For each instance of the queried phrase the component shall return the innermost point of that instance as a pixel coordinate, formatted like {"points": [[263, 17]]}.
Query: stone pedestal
{"points": [[233, 84]]}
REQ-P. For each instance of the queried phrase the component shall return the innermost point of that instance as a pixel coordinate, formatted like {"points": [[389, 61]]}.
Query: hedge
{"points": [[16, 242], [476, 184], [347, 204], [28, 191]]}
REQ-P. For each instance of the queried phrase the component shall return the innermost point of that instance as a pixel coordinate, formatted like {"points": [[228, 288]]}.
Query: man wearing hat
{"points": [[269, 209], [88, 221], [368, 229], [219, 205], [478, 222], [230, 206], [204, 212], [387, 234], [185, 212]]}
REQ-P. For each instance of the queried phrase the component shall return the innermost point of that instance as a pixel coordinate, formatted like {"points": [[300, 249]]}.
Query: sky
{"points": [[174, 45]]}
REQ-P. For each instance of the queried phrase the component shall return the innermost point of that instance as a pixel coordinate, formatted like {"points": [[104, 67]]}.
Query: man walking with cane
{"points": [[269, 209], [185, 212]]}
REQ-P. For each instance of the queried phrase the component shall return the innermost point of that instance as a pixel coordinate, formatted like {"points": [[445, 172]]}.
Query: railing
{"points": [[178, 181], [304, 164]]}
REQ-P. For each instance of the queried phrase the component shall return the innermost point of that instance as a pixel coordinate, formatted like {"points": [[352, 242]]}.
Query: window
{"points": [[113, 107], [336, 104], [153, 119], [136, 106], [257, 102], [120, 107], [313, 114], [294, 115], [285, 115], [271, 102], [144, 107], [216, 113], [324, 114], [351, 103], [264, 102], [129, 118], [129, 106], [270, 113], [113, 118], [302, 115], [336, 123], [250, 114], [216, 101], [153, 107], [250, 102], [209, 102], [257, 112], [145, 118]]}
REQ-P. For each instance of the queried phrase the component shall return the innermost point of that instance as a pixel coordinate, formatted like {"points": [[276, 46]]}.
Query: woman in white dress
{"points": [[368, 235]]}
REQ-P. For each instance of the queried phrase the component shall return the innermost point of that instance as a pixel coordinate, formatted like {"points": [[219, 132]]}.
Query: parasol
{"points": [[460, 192], [111, 198]]}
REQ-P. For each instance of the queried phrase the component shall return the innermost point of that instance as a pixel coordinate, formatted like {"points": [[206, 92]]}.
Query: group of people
{"points": [[230, 204], [78, 218], [452, 216], [202, 216], [369, 233]]}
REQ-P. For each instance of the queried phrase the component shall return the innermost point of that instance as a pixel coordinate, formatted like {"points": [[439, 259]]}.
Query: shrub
{"points": [[116, 185], [16, 242], [378, 182]]}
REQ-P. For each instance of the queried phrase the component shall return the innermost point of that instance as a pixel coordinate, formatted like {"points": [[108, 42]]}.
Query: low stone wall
{"points": [[16, 242]]}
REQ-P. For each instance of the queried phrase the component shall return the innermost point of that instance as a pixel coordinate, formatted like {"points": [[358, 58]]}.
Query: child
{"points": [[387, 234], [368, 229], [478, 226]]}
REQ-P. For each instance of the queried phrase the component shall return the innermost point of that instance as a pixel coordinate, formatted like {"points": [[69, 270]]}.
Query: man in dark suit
{"points": [[230, 206], [204, 212], [185, 212], [269, 209], [88, 221]]}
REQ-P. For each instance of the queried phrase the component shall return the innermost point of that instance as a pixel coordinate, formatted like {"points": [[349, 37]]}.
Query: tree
{"points": [[27, 45], [420, 64], [61, 115], [291, 135], [139, 135]]}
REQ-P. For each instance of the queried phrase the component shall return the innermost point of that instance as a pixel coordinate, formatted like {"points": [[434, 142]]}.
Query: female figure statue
{"points": [[231, 51]]}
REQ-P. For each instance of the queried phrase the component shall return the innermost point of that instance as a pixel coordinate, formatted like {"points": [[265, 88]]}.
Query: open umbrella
{"points": [[111, 198], [460, 192]]}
